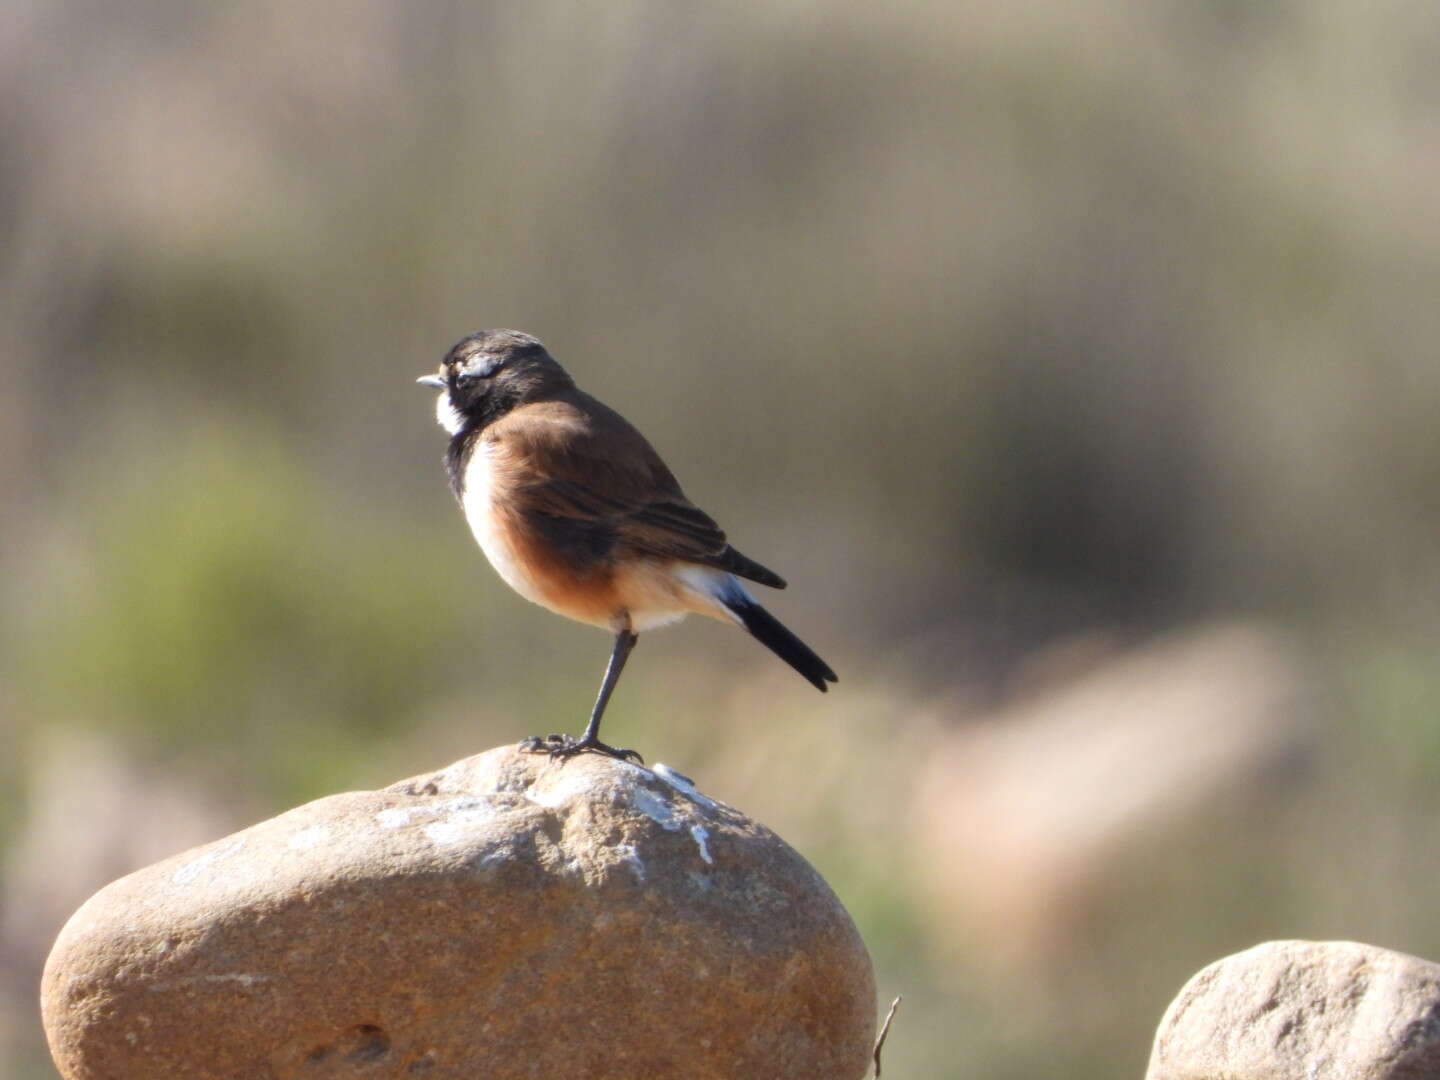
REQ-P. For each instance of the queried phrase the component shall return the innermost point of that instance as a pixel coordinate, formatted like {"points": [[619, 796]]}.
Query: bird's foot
{"points": [[565, 747]]}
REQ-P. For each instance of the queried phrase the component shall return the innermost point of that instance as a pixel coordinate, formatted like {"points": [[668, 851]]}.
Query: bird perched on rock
{"points": [[577, 513]]}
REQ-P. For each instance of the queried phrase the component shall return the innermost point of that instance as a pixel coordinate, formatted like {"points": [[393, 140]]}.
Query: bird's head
{"points": [[490, 372]]}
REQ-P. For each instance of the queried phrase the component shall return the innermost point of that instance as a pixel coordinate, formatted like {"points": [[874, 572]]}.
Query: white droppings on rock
{"points": [[462, 816], [499, 855], [683, 784], [195, 867], [453, 816], [444, 833], [395, 816], [561, 793], [308, 838], [466, 804], [629, 854], [701, 835], [451, 830], [655, 808]]}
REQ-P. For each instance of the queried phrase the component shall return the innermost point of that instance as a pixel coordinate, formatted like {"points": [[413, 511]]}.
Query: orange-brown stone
{"points": [[508, 916]]}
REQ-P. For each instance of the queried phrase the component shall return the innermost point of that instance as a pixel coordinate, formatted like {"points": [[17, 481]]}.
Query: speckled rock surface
{"points": [[505, 917], [1304, 1010]]}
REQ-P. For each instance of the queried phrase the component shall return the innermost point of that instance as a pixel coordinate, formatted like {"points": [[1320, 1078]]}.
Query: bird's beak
{"points": [[434, 381]]}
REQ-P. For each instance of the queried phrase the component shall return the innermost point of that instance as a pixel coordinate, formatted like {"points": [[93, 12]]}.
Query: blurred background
{"points": [[1075, 363]]}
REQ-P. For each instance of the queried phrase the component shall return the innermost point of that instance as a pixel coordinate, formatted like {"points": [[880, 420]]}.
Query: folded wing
{"points": [[596, 486]]}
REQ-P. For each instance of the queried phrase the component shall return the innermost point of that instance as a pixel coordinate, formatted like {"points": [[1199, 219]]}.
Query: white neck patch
{"points": [[445, 414]]}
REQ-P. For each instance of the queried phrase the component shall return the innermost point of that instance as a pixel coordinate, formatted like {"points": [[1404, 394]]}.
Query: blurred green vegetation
{"points": [[218, 610], [995, 329]]}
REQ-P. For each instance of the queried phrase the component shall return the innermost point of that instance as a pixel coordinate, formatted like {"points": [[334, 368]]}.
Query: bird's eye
{"points": [[467, 380]]}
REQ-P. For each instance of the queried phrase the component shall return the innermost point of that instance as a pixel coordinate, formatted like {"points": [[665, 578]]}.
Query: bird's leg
{"points": [[565, 746], [625, 639]]}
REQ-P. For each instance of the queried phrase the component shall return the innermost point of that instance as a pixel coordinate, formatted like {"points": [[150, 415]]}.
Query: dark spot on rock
{"points": [[371, 1043], [316, 1056]]}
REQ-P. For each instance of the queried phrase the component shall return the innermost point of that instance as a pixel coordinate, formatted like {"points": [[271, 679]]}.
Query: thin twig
{"points": [[885, 1030]]}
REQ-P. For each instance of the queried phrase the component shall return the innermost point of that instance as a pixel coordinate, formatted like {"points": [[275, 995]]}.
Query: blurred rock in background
{"points": [[93, 813], [1020, 818]]}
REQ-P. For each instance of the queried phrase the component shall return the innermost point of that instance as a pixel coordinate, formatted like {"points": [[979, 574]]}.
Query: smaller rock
{"points": [[1317, 1010]]}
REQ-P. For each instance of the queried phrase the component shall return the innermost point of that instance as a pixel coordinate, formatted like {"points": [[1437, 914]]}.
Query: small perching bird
{"points": [[577, 513]]}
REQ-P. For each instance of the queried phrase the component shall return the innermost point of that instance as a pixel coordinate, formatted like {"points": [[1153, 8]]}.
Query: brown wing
{"points": [[593, 485]]}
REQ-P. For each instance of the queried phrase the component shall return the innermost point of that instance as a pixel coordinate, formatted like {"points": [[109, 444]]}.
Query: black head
{"points": [[490, 372]]}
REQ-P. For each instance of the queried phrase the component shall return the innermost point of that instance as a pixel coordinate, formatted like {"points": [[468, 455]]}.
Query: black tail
{"points": [[771, 633]]}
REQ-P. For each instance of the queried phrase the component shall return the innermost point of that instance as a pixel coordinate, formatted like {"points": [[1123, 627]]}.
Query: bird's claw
{"points": [[565, 747]]}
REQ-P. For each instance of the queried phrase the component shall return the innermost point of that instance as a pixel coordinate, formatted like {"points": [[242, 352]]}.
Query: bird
{"points": [[578, 513]]}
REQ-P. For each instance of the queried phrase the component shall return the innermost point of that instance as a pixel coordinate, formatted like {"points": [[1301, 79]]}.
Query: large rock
{"points": [[508, 916], [1304, 1010]]}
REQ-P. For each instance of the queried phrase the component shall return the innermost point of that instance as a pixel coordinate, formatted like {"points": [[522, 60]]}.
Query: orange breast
{"points": [[588, 595], [639, 590], [626, 586]]}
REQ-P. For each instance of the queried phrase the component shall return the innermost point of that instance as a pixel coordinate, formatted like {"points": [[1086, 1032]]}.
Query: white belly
{"points": [[653, 596], [476, 501]]}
